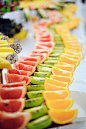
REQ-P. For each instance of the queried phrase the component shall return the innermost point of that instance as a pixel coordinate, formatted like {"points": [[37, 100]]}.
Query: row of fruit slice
{"points": [[20, 68]]}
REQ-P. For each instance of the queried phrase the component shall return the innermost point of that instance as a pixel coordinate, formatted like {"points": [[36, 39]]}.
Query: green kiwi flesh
{"points": [[34, 94], [44, 69], [35, 87], [37, 80]]}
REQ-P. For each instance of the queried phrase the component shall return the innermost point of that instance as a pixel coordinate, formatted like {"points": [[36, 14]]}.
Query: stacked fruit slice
{"points": [[51, 93]]}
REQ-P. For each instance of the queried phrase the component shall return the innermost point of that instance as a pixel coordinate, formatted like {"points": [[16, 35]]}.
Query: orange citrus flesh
{"points": [[62, 78], [51, 87], [55, 95], [69, 60], [63, 63], [60, 104], [71, 56], [56, 82], [58, 71], [63, 116], [65, 67]]}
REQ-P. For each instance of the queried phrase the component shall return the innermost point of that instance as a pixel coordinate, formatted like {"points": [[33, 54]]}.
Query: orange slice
{"points": [[63, 116], [69, 60], [56, 82], [58, 71], [50, 87], [60, 104], [66, 67], [72, 50], [62, 78], [72, 56], [55, 95], [75, 54], [63, 63]]}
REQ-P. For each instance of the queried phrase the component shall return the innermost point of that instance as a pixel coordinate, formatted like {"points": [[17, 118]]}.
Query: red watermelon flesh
{"points": [[16, 84], [21, 66], [19, 72], [12, 78], [12, 93], [31, 63], [43, 56], [14, 120], [12, 106], [35, 59]]}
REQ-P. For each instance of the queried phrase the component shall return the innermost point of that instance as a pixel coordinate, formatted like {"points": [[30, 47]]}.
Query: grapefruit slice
{"points": [[56, 82], [35, 59], [37, 51], [14, 120], [43, 56], [60, 104], [24, 67], [12, 93], [19, 72], [63, 116], [31, 63], [12, 106], [12, 78], [55, 95], [62, 78], [58, 71], [49, 45], [52, 87], [16, 84]]}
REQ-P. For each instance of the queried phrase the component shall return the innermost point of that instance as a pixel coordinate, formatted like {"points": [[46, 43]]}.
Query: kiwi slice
{"points": [[55, 54], [33, 102], [52, 62], [35, 87], [40, 123], [34, 94], [53, 58], [58, 42], [58, 51], [45, 65], [44, 69], [59, 48], [37, 80], [37, 111], [42, 74]]}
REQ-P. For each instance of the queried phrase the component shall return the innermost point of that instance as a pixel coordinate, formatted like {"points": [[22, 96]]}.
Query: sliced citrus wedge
{"points": [[58, 71], [62, 78], [72, 56], [55, 95], [60, 104], [66, 67], [63, 116], [56, 82], [51, 87], [69, 60]]}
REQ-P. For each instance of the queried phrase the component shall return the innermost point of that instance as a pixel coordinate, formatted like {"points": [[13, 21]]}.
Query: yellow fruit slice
{"points": [[62, 78], [69, 60], [63, 116], [72, 56], [56, 82], [58, 71], [66, 67], [55, 95], [60, 104], [51, 87]]}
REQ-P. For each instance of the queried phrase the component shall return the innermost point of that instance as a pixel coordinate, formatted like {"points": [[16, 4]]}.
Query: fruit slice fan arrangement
{"points": [[55, 57]]}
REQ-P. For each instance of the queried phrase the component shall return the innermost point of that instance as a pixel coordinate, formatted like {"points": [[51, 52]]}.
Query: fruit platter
{"points": [[35, 93]]}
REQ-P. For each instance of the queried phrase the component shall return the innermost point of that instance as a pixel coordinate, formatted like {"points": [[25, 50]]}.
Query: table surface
{"points": [[79, 83]]}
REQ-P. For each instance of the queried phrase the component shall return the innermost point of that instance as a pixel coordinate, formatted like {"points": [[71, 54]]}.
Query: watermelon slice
{"points": [[43, 56], [12, 93], [40, 51], [19, 72], [12, 78], [11, 85], [35, 59], [12, 106], [14, 120], [24, 67], [31, 63]]}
